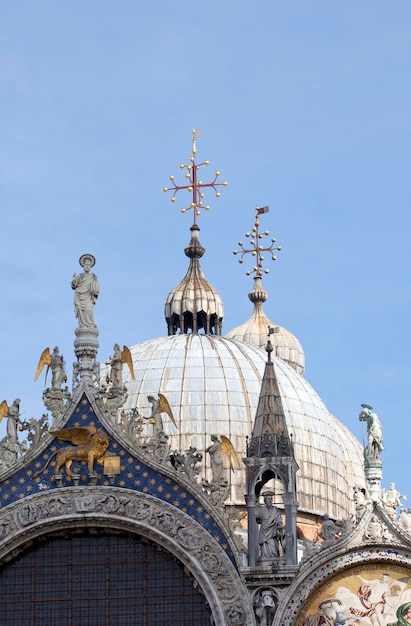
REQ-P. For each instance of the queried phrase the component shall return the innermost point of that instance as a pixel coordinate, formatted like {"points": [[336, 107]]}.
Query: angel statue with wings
{"points": [[217, 451], [13, 418], [116, 362], [158, 406], [56, 363]]}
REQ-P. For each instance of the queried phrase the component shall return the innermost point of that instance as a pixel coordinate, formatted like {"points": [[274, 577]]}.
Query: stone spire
{"points": [[254, 330], [270, 456], [270, 433], [194, 304]]}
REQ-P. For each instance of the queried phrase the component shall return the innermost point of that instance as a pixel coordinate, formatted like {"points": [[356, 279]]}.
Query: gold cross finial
{"points": [[195, 186], [257, 249]]}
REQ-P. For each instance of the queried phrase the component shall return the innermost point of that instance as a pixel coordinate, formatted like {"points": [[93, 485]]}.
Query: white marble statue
{"points": [[87, 289], [391, 499]]}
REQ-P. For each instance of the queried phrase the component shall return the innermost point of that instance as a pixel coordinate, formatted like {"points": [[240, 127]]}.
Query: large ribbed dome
{"points": [[213, 385]]}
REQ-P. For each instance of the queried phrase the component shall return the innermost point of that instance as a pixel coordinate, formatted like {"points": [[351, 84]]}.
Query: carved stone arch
{"points": [[125, 510], [265, 473], [321, 571]]}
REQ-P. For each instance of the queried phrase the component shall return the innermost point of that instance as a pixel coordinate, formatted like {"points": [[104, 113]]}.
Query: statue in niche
{"points": [[56, 363], [158, 406], [374, 431], [271, 532], [87, 290]]}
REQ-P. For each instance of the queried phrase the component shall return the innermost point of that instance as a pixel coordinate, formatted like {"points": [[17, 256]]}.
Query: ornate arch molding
{"points": [[320, 572], [129, 511]]}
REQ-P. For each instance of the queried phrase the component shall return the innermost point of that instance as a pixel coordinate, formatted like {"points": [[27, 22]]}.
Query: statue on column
{"points": [[56, 397], [374, 431], [87, 289]]}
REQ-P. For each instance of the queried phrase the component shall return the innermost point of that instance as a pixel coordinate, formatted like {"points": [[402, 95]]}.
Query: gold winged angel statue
{"points": [[116, 362], [54, 361], [219, 449], [160, 405]]}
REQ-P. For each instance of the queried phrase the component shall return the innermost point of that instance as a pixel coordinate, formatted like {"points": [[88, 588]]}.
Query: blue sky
{"points": [[304, 106]]}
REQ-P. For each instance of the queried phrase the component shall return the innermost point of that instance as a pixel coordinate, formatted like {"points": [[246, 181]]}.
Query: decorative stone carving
{"points": [[328, 531], [55, 401], [163, 523], [374, 530], [189, 539], [344, 527], [405, 520], [265, 607], [234, 518], [235, 616], [217, 492], [111, 400], [187, 463], [10, 451], [37, 429], [310, 548], [360, 502], [157, 447], [114, 504], [131, 425]]}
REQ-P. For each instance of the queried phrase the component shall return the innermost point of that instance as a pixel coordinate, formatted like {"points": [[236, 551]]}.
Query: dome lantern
{"points": [[194, 304]]}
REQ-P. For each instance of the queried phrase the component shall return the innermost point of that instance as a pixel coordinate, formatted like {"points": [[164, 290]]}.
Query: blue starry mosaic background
{"points": [[134, 475]]}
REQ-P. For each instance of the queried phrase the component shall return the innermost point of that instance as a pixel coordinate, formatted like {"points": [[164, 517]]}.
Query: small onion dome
{"points": [[194, 304], [255, 330]]}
